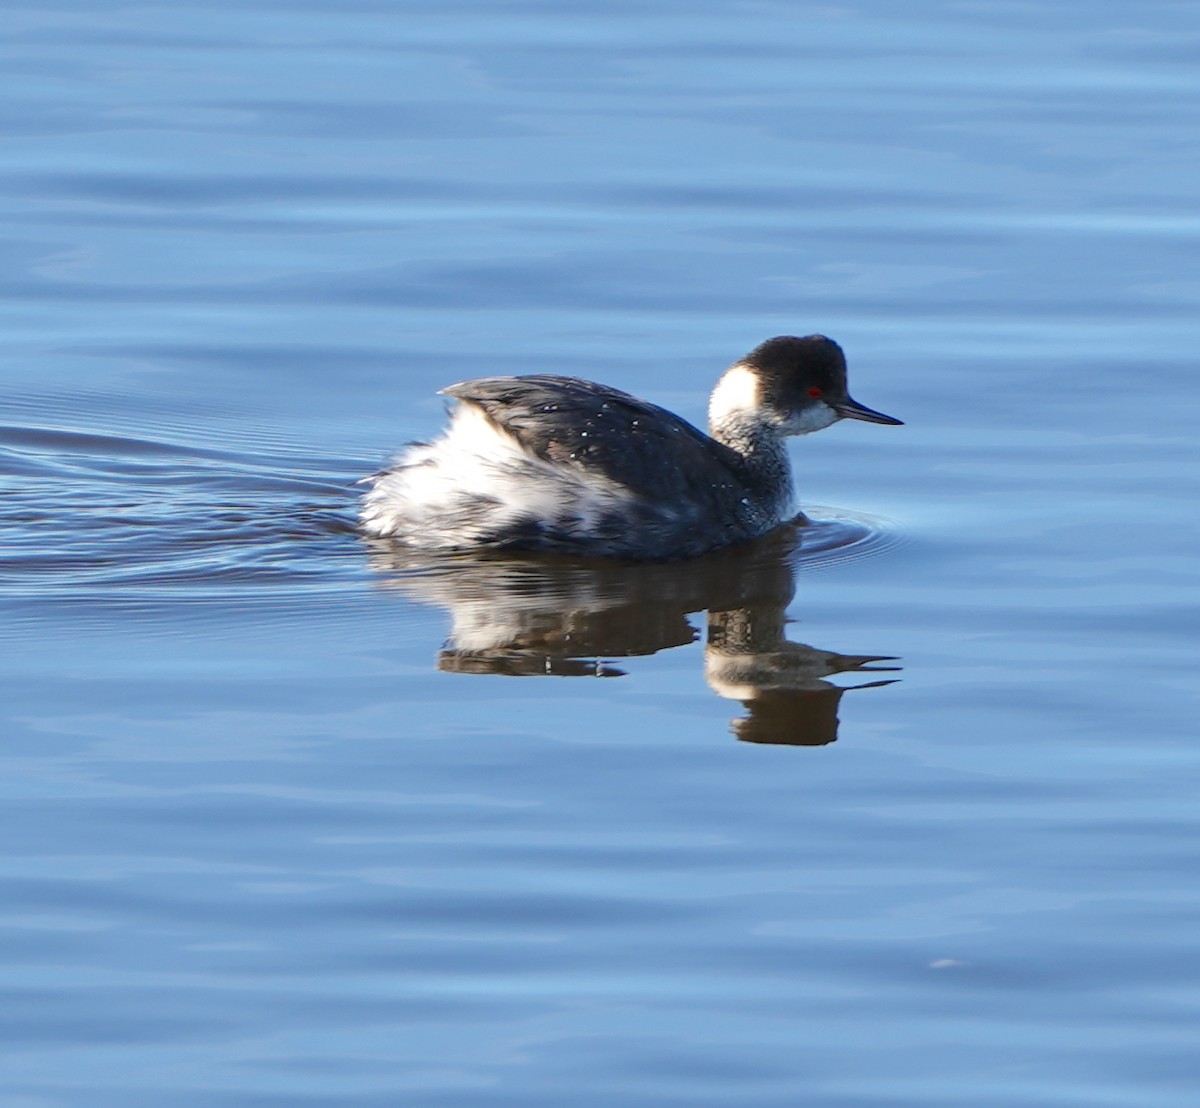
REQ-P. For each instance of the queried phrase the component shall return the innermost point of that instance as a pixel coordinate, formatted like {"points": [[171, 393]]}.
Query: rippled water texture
{"points": [[105, 518], [897, 807]]}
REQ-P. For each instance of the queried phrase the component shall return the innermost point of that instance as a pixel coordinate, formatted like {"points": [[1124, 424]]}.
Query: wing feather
{"points": [[568, 421]]}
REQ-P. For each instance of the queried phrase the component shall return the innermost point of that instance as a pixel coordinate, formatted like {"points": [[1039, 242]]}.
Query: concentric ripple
{"points": [[838, 535]]}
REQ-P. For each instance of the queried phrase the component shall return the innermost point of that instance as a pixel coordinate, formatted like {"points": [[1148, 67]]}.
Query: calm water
{"points": [[292, 819]]}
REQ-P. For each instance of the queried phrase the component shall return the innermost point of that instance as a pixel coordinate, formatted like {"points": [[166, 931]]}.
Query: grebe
{"points": [[561, 464]]}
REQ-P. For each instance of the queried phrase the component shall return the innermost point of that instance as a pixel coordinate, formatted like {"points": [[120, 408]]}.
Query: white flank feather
{"points": [[477, 480]]}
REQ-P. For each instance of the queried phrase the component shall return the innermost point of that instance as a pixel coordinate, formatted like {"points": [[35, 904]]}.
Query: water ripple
{"points": [[123, 518], [835, 535], [91, 515]]}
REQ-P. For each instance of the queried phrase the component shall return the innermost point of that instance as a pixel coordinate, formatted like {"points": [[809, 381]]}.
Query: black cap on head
{"points": [[785, 354], [796, 371]]}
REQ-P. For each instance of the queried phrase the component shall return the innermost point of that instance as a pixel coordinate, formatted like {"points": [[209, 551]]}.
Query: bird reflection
{"points": [[523, 615]]}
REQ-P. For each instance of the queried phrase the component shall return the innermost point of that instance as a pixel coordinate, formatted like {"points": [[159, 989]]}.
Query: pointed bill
{"points": [[852, 409]]}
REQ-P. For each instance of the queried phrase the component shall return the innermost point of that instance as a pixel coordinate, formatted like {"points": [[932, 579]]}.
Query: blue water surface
{"points": [[292, 818]]}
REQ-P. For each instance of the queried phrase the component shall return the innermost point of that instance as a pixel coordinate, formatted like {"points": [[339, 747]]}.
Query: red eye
{"points": [[814, 392]]}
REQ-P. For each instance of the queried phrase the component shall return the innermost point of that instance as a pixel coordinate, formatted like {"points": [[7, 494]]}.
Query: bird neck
{"points": [[763, 454], [737, 419]]}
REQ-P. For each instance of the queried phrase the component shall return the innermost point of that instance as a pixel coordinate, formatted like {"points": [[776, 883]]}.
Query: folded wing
{"points": [[595, 428]]}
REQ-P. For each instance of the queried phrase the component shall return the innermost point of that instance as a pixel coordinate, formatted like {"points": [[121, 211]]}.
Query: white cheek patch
{"points": [[737, 401], [812, 418], [736, 392]]}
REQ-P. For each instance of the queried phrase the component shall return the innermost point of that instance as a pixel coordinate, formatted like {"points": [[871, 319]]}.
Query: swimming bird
{"points": [[553, 463]]}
